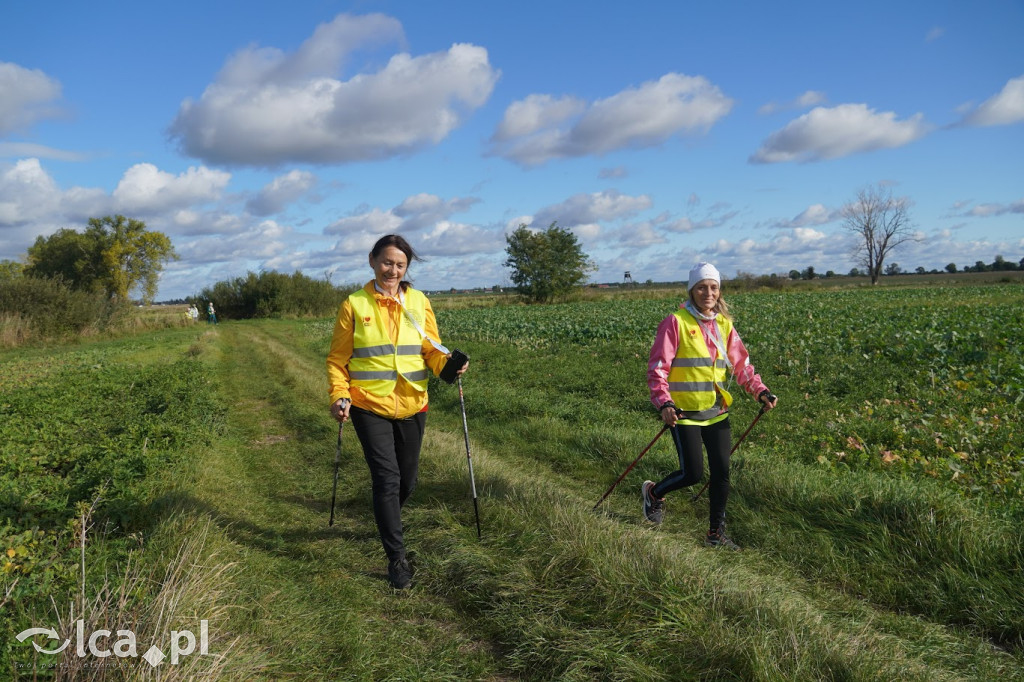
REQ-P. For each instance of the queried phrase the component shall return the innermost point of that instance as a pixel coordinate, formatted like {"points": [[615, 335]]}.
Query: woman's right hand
{"points": [[340, 409], [668, 415]]}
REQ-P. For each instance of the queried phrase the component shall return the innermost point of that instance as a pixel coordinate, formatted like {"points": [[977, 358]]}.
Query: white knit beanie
{"points": [[703, 271]]}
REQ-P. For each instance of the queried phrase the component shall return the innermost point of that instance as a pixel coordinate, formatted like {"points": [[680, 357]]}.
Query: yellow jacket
{"points": [[405, 400]]}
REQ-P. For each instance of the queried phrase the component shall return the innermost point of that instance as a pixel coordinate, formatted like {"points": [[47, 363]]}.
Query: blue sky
{"points": [[285, 136]]}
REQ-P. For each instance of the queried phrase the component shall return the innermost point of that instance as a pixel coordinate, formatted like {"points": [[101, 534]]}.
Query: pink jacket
{"points": [[666, 341]]}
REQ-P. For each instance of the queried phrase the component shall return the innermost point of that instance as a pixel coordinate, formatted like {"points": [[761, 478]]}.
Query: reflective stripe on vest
{"points": [[695, 382], [376, 362]]}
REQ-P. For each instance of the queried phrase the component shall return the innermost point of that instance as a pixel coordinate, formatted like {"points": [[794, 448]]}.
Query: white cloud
{"points": [[375, 221], [414, 213], [267, 107], [541, 128], [38, 151], [457, 239], [144, 189], [264, 240], [281, 191], [1005, 108], [830, 133], [640, 235], [989, 210], [26, 190], [815, 214], [537, 113], [32, 204], [934, 33], [424, 210], [28, 95], [796, 248], [808, 99], [28, 194], [716, 216], [584, 209]]}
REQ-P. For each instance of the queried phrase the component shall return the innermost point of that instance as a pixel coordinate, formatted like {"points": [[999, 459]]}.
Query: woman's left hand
{"points": [[768, 400], [463, 370]]}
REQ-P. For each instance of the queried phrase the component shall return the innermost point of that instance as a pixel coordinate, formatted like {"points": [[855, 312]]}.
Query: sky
{"points": [[291, 136]]}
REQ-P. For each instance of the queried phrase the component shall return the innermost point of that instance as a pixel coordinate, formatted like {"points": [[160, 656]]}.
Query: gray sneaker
{"points": [[654, 508], [717, 538]]}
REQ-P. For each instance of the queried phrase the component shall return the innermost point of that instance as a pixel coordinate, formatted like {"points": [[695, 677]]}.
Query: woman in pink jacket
{"points": [[695, 350]]}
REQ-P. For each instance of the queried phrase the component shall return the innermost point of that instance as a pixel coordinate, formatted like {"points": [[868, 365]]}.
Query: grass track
{"points": [[552, 591]]}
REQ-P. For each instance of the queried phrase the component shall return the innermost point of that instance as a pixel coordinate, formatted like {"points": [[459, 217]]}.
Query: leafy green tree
{"points": [[546, 264], [809, 272], [72, 257], [115, 255], [893, 269], [1000, 264], [951, 268], [794, 274], [10, 270]]}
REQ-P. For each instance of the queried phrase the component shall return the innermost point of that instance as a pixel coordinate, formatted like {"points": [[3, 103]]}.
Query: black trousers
{"points": [[717, 438], [392, 451]]}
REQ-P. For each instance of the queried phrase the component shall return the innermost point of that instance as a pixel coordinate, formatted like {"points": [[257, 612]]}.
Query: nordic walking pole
{"points": [[759, 415], [337, 462], [630, 467], [469, 458]]}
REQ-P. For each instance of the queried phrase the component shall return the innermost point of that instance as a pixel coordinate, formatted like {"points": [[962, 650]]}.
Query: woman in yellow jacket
{"points": [[385, 341]]}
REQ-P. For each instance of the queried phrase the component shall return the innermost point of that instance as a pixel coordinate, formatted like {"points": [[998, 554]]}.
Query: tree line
{"points": [[1000, 264], [72, 282]]}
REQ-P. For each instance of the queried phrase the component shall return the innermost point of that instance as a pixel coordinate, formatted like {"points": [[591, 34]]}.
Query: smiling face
{"points": [[389, 268], [705, 295]]}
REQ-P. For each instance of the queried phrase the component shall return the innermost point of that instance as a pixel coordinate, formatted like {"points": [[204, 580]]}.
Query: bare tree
{"points": [[880, 222]]}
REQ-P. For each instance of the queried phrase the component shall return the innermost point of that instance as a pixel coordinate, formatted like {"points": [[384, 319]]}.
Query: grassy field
{"points": [[879, 507]]}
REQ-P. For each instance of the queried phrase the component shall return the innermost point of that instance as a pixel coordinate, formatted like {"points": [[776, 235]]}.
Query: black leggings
{"points": [[717, 438], [391, 448]]}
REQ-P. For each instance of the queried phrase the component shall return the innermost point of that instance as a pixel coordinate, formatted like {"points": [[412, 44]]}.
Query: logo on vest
{"points": [[367, 321]]}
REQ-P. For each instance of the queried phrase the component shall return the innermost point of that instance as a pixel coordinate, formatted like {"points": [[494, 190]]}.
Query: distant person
{"points": [[694, 350], [385, 339], [193, 313], [211, 314]]}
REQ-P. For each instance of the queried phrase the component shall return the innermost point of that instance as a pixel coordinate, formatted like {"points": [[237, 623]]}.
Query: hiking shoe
{"points": [[716, 537], [399, 573], [654, 508]]}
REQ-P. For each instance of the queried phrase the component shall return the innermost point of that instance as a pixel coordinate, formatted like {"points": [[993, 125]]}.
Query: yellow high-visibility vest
{"points": [[376, 362], [694, 381]]}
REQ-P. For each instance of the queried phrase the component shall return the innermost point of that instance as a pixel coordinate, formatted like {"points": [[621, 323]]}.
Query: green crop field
{"points": [[187, 473]]}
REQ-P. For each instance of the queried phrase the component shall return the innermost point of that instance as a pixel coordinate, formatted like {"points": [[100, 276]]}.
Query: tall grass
{"points": [[34, 308], [152, 600], [573, 595]]}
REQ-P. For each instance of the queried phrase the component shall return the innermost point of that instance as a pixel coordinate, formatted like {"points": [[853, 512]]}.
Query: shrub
{"points": [[51, 309], [272, 294]]}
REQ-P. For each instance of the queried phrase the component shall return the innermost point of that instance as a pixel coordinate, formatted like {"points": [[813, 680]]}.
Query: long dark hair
{"points": [[399, 242]]}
